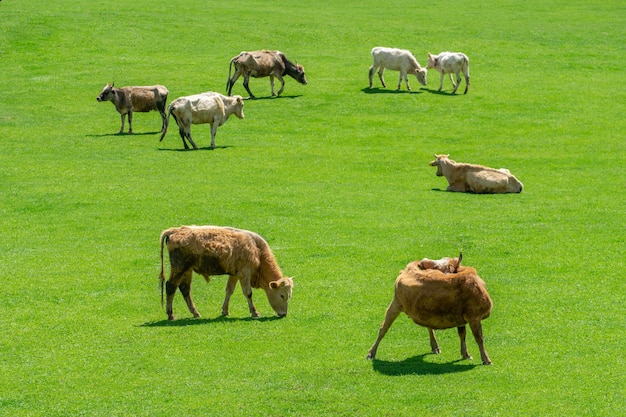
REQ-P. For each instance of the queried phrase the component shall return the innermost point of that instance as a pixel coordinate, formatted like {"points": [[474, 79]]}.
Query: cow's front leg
{"points": [[213, 133], [247, 292], [434, 346], [391, 314], [123, 116], [130, 122], [477, 331], [282, 84], [230, 287], [455, 85], [272, 85], [440, 81]]}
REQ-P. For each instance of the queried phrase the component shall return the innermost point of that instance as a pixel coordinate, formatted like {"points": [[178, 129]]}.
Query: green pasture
{"points": [[335, 176]]}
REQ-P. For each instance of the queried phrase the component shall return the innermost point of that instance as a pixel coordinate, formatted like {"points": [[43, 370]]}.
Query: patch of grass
{"points": [[335, 177]]}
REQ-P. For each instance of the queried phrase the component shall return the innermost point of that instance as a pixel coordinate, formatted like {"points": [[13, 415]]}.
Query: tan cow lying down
{"points": [[437, 300], [475, 178], [210, 107], [136, 99], [211, 250], [445, 265]]}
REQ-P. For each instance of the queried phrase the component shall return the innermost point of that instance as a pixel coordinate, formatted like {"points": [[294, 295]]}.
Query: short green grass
{"points": [[335, 177]]}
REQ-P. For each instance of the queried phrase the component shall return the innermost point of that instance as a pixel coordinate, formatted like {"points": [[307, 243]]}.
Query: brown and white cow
{"points": [[473, 178], [450, 63], [212, 250], [264, 63], [210, 107], [136, 99], [437, 300], [397, 60], [445, 265]]}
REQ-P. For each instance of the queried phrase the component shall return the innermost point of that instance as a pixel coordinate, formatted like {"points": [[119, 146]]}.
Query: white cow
{"points": [[449, 63], [397, 60], [210, 107]]}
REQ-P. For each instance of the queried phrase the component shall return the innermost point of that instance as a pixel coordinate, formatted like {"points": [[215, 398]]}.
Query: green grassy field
{"points": [[335, 176]]}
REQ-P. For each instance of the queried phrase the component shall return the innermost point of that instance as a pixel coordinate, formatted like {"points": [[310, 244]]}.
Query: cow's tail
{"points": [[230, 67], [164, 236], [167, 121]]}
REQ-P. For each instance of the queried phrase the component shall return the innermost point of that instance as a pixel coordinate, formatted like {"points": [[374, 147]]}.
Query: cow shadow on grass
{"points": [[200, 148], [192, 321], [280, 97], [104, 135], [418, 366], [378, 90]]}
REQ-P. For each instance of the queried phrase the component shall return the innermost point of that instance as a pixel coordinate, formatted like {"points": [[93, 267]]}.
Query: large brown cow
{"points": [[260, 64], [473, 178], [210, 107], [131, 99], [437, 300], [212, 250]]}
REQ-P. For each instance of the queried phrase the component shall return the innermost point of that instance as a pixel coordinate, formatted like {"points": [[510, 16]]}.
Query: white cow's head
{"points": [[421, 73], [439, 160]]}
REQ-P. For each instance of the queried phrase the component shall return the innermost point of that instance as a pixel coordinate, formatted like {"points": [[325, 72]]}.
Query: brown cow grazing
{"points": [[475, 178], [261, 64], [437, 300], [445, 265], [211, 250], [131, 99], [209, 107]]}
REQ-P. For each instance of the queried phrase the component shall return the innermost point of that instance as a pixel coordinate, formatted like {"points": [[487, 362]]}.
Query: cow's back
{"points": [[489, 180], [437, 300]]}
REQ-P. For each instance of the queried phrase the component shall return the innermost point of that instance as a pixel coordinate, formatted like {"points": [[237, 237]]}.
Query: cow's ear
{"points": [[274, 285]]}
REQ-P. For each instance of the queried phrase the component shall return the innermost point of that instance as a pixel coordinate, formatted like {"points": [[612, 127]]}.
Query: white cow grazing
{"points": [[397, 60], [210, 107], [449, 63]]}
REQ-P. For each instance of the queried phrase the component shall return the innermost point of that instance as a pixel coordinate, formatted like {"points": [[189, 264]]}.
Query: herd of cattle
{"points": [[215, 109], [437, 294]]}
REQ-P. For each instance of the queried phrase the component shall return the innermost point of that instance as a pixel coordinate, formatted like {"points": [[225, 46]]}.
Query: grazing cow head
{"points": [[279, 293], [238, 106], [437, 163], [107, 93], [421, 73], [300, 74], [433, 61]]}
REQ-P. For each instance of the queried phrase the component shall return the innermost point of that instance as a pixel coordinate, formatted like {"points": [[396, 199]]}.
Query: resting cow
{"points": [[437, 300], [475, 178], [445, 265], [396, 60], [449, 63], [211, 250], [131, 99], [209, 107], [259, 64]]}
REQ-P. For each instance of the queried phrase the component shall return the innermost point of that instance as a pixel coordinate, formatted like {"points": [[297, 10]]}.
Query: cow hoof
{"points": [[436, 351], [488, 363], [171, 318]]}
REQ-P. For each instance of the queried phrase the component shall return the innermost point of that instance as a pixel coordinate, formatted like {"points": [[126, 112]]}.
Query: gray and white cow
{"points": [[450, 63], [210, 107]]}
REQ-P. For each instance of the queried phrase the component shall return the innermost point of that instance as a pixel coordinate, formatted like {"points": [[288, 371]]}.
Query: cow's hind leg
{"points": [[458, 81], [246, 79], [391, 314], [188, 136], [434, 346], [477, 331], [130, 122], [185, 289], [462, 332], [170, 290], [381, 70], [371, 75], [123, 116]]}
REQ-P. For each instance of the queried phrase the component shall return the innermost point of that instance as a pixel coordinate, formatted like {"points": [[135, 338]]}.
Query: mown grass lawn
{"points": [[335, 176]]}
